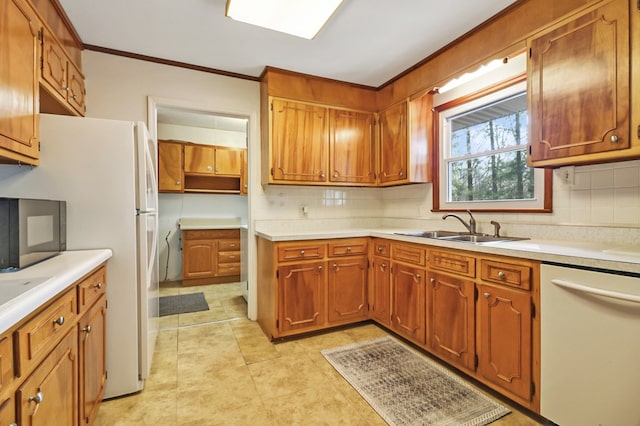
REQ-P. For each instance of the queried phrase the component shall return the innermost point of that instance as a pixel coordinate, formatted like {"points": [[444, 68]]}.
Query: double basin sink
{"points": [[460, 236]]}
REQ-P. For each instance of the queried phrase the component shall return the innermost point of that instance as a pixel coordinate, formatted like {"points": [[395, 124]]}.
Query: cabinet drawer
{"points": [[91, 288], [228, 245], [381, 248], [301, 251], [228, 269], [510, 274], [452, 262], [37, 337], [409, 254], [348, 247], [209, 234], [228, 256], [6, 363]]}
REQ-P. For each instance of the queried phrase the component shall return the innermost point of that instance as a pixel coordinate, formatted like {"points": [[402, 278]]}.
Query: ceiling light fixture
{"points": [[302, 18]]}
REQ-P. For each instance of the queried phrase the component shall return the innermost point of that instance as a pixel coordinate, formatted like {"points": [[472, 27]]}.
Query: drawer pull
{"points": [[87, 329], [418, 276], [380, 249], [320, 268], [59, 321], [37, 399], [98, 285], [301, 252], [501, 275], [487, 295], [349, 249], [335, 266], [384, 265], [433, 280]]}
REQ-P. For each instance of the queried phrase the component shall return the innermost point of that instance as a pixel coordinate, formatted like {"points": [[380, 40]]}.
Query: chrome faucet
{"points": [[471, 226]]}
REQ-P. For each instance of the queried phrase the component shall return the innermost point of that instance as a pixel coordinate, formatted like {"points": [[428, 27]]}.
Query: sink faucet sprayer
{"points": [[471, 226]]}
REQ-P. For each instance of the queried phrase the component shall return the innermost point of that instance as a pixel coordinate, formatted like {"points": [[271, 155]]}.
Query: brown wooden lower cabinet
{"points": [[210, 256], [474, 311], [57, 365]]}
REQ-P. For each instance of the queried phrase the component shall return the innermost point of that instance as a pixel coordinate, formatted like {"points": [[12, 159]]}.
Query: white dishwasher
{"points": [[590, 346]]}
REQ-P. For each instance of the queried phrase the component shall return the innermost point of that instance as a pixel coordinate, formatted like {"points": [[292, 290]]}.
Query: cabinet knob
{"points": [[501, 275], [321, 175], [87, 329], [209, 168], [37, 399], [614, 138], [335, 266], [401, 173], [380, 249], [487, 295], [432, 280], [178, 182], [320, 268], [418, 276], [217, 169], [59, 321], [349, 249], [301, 252], [98, 285], [383, 266]]}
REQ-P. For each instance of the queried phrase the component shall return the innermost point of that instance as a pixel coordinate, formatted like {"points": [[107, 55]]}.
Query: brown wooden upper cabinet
{"points": [[19, 54], [393, 144], [212, 160], [298, 142], [61, 78], [579, 88], [170, 169], [352, 147]]}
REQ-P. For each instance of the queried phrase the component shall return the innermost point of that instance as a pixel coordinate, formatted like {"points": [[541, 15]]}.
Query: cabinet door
{"points": [[54, 65], [170, 177], [301, 296], [51, 391], [199, 159], [451, 314], [8, 411], [504, 353], [93, 367], [198, 258], [381, 291], [347, 289], [408, 315], [351, 147], [228, 161], [244, 174], [19, 55], [579, 86], [393, 143], [77, 93], [298, 142]]}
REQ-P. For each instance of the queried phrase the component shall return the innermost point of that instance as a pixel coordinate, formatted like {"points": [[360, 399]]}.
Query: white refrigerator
{"points": [[106, 171]]}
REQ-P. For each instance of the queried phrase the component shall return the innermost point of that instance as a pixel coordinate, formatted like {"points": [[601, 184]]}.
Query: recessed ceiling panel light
{"points": [[302, 18]]}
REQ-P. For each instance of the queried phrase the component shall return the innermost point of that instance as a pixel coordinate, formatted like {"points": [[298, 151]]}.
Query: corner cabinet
{"points": [[19, 78], [579, 75]]}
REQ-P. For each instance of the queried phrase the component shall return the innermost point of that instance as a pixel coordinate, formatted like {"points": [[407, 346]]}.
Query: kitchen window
{"points": [[482, 150]]}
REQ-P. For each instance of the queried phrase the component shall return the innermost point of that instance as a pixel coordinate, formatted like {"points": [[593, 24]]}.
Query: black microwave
{"points": [[31, 231]]}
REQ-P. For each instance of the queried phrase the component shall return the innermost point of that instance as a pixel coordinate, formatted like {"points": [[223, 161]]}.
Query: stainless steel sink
{"points": [[430, 234], [460, 236]]}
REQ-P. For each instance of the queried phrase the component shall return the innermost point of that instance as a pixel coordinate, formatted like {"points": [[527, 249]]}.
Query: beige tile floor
{"points": [[217, 368]]}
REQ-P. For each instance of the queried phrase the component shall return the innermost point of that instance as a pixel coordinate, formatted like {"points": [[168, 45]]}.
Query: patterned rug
{"points": [[182, 304], [406, 388]]}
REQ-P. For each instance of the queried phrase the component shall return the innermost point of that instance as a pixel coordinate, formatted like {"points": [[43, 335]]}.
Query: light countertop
{"points": [[195, 223], [593, 255], [23, 291]]}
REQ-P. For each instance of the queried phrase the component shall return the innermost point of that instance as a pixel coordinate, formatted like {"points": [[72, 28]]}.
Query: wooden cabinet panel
{"points": [[579, 87], [92, 360], [299, 251], [393, 144], [348, 247], [54, 65], [228, 161], [8, 411], [410, 254], [451, 319], [505, 338], [351, 146], [38, 336], [77, 91], [92, 288], [301, 296], [19, 76], [199, 159], [408, 314], [198, 258], [506, 273], [347, 289], [170, 168], [51, 391], [380, 289], [6, 364], [381, 247], [298, 142], [451, 261]]}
